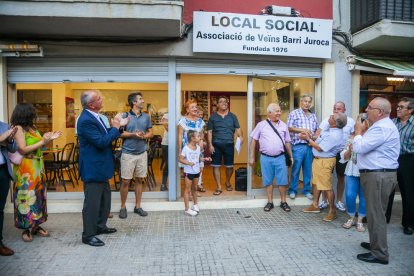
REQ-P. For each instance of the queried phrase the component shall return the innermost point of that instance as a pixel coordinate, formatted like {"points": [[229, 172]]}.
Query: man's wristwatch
{"points": [[10, 142], [121, 129]]}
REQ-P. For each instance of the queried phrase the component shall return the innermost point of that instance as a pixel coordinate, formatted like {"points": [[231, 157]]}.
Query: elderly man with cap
{"points": [[378, 148]]}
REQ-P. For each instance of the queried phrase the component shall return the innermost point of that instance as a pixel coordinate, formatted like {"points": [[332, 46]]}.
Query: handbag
{"points": [[287, 156], [15, 157]]}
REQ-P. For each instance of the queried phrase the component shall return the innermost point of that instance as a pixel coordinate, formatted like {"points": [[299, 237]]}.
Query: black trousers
{"points": [[165, 162], [405, 176], [96, 207], [4, 191]]}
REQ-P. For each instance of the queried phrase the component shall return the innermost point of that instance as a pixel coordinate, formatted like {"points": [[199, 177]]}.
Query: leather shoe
{"points": [[93, 241], [5, 251], [106, 231], [408, 230], [369, 258], [366, 245]]}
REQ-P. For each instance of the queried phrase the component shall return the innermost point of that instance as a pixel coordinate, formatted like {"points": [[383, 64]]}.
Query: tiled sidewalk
{"points": [[217, 242]]}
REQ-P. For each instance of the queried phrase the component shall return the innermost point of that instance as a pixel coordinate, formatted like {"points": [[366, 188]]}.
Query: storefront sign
{"points": [[258, 34]]}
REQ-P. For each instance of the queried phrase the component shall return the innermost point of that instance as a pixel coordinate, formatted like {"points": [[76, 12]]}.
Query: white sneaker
{"points": [[292, 195], [309, 196], [195, 208], [323, 205], [191, 213], [340, 206]]}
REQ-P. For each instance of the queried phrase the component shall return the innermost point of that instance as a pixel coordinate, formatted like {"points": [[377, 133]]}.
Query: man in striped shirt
{"points": [[299, 121], [405, 172]]}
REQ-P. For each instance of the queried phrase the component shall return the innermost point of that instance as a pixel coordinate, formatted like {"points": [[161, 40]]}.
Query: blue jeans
{"points": [[302, 158], [352, 189]]}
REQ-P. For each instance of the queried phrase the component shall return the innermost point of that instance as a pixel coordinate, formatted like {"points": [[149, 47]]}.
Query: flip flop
{"points": [[217, 192], [27, 236], [40, 231], [229, 188], [200, 188]]}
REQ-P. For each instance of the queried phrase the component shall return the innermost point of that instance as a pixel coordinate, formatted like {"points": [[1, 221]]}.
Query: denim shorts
{"points": [[223, 151], [274, 167]]}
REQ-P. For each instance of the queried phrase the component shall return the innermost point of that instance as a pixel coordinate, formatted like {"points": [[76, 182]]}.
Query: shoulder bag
{"points": [[287, 156]]}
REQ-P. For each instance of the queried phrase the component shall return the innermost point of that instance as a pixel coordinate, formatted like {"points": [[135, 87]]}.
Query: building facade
{"points": [[61, 48]]}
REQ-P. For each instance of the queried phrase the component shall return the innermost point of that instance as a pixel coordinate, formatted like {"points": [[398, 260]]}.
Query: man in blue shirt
{"points": [[324, 150], [134, 159]]}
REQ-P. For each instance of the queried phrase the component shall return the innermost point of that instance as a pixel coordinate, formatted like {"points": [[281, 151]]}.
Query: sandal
{"points": [[229, 188], [40, 231], [200, 188], [350, 222], [269, 206], [217, 192], [285, 207], [27, 236], [360, 227]]}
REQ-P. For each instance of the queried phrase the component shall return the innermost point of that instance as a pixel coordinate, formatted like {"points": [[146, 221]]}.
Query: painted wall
{"points": [[313, 9]]}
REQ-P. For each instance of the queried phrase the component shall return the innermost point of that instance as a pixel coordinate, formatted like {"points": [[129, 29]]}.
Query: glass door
{"points": [[262, 92]]}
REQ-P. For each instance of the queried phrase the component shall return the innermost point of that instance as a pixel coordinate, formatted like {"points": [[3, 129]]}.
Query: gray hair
{"points": [[86, 97], [340, 102], [340, 120], [384, 105], [306, 96], [272, 106]]}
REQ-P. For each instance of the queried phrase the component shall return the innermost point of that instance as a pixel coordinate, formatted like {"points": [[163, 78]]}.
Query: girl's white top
{"points": [[192, 156], [351, 167]]}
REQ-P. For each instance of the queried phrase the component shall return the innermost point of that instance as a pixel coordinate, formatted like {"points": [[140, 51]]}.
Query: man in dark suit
{"points": [[7, 144], [96, 166]]}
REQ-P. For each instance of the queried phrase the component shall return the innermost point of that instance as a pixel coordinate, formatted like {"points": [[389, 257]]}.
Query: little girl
{"points": [[190, 158]]}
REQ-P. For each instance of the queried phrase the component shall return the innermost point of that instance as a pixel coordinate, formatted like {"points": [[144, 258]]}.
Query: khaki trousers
{"points": [[377, 188]]}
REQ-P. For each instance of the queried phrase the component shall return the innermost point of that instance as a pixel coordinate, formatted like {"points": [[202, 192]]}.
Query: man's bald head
{"points": [[383, 104]]}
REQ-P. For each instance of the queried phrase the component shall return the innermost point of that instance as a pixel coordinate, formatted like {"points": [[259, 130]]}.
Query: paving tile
{"points": [[216, 242]]}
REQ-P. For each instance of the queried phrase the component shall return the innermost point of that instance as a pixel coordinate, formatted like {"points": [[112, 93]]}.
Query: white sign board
{"points": [[215, 32]]}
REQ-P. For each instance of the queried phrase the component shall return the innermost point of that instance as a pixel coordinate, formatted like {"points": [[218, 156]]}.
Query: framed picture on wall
{"points": [[70, 112]]}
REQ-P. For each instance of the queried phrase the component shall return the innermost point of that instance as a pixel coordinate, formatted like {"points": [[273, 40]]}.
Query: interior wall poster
{"points": [[70, 112]]}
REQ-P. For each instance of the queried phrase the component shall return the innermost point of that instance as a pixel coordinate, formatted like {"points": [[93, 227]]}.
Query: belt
{"points": [[272, 156], [378, 170], [317, 157]]}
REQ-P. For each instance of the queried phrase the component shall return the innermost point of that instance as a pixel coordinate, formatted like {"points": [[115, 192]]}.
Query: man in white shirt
{"points": [[339, 107], [378, 148]]}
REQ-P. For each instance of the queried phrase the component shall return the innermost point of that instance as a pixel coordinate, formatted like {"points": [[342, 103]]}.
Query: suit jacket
{"points": [[8, 148], [95, 150]]}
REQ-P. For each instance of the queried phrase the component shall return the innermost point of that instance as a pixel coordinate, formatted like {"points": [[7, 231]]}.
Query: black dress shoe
{"points": [[366, 245], [106, 231], [93, 241], [369, 258], [408, 230]]}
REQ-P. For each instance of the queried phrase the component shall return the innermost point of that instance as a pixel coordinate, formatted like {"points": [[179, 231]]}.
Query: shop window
{"points": [[42, 101]]}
